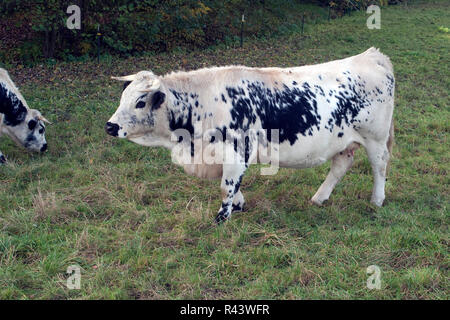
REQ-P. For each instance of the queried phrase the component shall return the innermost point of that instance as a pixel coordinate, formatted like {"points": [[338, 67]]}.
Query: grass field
{"points": [[139, 228]]}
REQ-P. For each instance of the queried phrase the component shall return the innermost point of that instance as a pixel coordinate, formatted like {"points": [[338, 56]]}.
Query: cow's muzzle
{"points": [[112, 129]]}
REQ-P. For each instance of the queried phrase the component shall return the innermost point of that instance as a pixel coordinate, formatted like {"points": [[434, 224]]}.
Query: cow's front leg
{"points": [[231, 182], [2, 158]]}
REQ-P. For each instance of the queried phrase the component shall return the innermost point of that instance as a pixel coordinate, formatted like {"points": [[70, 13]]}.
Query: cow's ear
{"points": [[126, 84], [158, 99]]}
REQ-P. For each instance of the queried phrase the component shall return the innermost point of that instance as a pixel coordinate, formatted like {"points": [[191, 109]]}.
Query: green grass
{"points": [[140, 228]]}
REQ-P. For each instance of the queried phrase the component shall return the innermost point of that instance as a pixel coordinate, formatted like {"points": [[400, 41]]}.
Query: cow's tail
{"points": [[390, 143]]}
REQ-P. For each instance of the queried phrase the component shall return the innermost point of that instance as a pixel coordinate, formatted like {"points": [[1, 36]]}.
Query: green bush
{"points": [[132, 26]]}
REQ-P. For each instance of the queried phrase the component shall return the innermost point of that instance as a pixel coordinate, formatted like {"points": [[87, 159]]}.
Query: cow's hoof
{"points": [[237, 207], [376, 202], [220, 218], [2, 159], [316, 201]]}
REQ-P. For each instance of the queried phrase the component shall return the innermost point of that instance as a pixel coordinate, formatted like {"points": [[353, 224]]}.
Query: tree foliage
{"points": [[130, 26]]}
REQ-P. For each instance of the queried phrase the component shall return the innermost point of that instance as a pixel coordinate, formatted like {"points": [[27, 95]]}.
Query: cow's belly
{"points": [[314, 150], [302, 161]]}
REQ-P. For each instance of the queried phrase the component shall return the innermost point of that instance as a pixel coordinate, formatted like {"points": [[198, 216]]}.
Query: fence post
{"points": [[303, 22], [98, 43], [242, 30]]}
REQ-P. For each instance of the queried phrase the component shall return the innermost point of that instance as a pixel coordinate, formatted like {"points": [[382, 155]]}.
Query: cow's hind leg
{"points": [[340, 163], [378, 155]]}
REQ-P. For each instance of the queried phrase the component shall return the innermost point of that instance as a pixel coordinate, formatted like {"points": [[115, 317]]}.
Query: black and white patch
{"points": [[10, 105], [291, 110]]}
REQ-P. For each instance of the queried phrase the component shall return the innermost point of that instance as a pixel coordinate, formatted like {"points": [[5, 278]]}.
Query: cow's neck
{"points": [[181, 109]]}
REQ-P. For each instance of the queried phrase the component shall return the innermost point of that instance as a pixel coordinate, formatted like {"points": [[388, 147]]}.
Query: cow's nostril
{"points": [[44, 147], [112, 129]]}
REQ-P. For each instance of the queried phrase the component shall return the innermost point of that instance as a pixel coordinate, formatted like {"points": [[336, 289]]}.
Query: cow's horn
{"points": [[152, 86], [130, 77], [41, 118]]}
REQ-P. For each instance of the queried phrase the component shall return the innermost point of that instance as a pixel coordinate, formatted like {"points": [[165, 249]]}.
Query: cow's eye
{"points": [[32, 124], [140, 105], [42, 130]]}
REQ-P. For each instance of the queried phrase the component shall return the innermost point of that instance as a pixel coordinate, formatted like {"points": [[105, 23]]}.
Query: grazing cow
{"points": [[316, 113], [23, 125]]}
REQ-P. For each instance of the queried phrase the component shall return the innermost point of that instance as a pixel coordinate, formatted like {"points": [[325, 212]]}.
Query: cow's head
{"points": [[139, 108], [23, 125]]}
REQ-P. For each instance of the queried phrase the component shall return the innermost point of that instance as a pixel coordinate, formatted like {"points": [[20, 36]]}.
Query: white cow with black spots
{"points": [[308, 115], [23, 125]]}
